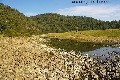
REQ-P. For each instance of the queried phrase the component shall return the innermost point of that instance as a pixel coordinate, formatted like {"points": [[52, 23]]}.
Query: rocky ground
{"points": [[27, 58]]}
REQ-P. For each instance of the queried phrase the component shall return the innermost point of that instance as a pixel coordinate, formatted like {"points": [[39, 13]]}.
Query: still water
{"points": [[99, 49], [69, 45], [104, 52]]}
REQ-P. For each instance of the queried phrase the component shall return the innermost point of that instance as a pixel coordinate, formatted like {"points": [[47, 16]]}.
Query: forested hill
{"points": [[52, 22], [14, 23]]}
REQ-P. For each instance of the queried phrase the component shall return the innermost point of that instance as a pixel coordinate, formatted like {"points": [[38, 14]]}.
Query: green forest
{"points": [[14, 23], [51, 22]]}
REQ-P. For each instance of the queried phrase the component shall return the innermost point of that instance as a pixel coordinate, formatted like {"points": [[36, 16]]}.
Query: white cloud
{"points": [[30, 14], [103, 12]]}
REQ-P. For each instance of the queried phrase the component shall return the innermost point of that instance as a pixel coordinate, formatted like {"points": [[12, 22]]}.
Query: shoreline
{"points": [[29, 58]]}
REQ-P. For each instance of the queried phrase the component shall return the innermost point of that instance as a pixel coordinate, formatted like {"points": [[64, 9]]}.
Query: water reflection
{"points": [[103, 65], [104, 53], [77, 46], [96, 50]]}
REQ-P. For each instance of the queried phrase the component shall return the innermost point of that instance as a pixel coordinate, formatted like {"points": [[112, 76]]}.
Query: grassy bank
{"points": [[109, 35]]}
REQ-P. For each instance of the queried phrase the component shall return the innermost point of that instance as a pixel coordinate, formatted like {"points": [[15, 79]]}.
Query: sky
{"points": [[108, 11]]}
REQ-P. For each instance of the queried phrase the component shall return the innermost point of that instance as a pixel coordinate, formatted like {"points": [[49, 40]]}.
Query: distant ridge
{"points": [[14, 23], [52, 22]]}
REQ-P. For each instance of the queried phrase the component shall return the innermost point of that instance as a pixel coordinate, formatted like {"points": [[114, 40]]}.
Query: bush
{"points": [[11, 32]]}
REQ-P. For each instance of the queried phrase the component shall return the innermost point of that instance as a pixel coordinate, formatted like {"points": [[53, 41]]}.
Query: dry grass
{"points": [[110, 35]]}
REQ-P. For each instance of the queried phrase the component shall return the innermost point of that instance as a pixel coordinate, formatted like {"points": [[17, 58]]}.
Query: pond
{"points": [[99, 49], [82, 46], [104, 52]]}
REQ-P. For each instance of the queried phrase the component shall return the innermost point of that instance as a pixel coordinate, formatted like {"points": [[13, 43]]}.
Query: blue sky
{"points": [[109, 11]]}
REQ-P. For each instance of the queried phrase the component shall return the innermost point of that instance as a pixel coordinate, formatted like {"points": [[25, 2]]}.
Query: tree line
{"points": [[14, 23], [52, 22]]}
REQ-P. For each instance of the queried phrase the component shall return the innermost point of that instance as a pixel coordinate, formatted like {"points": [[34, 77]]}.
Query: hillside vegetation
{"points": [[25, 56], [51, 22], [14, 23]]}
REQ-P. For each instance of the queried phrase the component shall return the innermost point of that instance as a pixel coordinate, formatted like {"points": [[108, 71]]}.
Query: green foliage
{"points": [[10, 32], [14, 23], [52, 22]]}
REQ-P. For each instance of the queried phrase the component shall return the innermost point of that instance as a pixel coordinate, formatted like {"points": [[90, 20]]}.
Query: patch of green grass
{"points": [[109, 35], [101, 33], [1, 35]]}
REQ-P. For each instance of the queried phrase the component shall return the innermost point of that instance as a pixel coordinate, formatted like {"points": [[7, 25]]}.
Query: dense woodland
{"points": [[51, 22], [14, 23]]}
